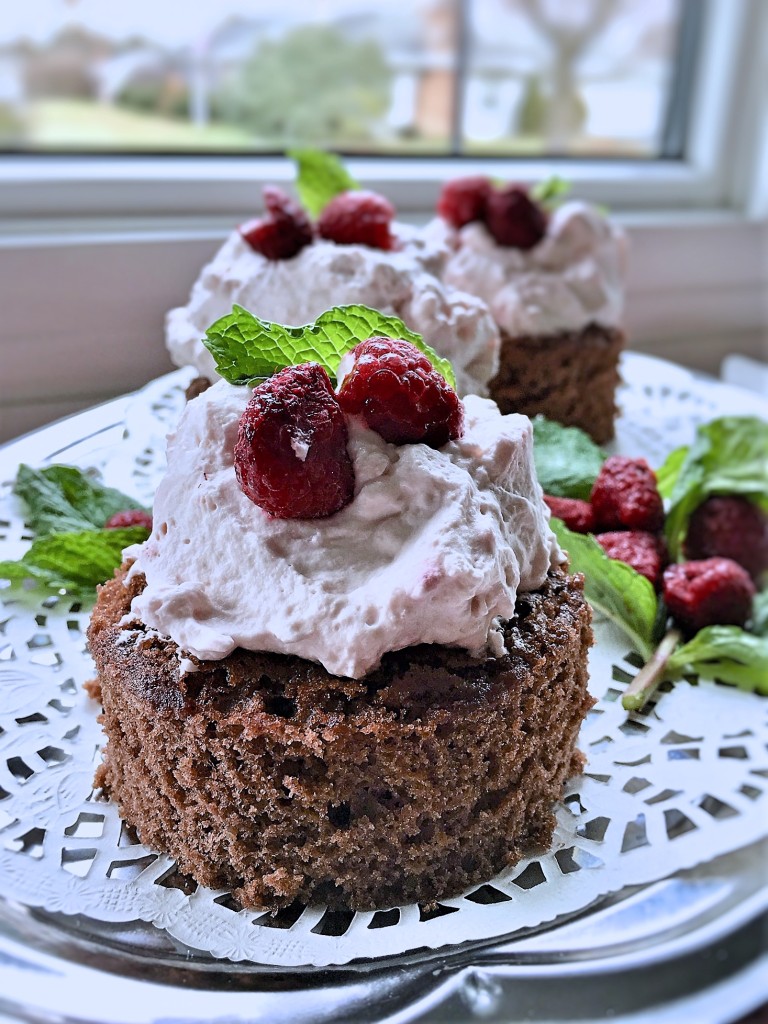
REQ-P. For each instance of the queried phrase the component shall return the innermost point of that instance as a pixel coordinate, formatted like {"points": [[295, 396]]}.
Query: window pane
{"points": [[406, 76]]}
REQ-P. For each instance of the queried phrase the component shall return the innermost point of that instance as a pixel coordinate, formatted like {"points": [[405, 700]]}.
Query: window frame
{"points": [[66, 187]]}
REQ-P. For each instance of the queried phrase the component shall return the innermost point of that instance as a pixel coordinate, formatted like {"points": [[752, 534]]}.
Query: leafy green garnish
{"points": [[551, 191], [729, 456], [67, 509], [247, 349], [567, 459], [63, 498], [724, 652], [75, 562], [613, 588], [759, 623], [320, 176]]}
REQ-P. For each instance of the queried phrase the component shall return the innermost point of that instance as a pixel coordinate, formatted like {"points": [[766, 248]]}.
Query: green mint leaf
{"points": [[551, 191], [76, 562], [247, 349], [65, 499], [727, 653], [729, 456], [613, 588], [319, 177], [759, 623], [567, 459], [668, 473]]}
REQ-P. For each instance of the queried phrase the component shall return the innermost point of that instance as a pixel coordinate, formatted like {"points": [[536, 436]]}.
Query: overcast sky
{"points": [[170, 24]]}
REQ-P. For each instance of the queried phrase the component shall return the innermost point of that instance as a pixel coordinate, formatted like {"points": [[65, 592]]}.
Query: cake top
{"points": [[541, 270], [289, 270], [338, 526]]}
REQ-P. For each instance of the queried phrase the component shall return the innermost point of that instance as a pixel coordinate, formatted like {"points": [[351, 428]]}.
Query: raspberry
{"points": [[283, 232], [732, 527], [513, 218], [358, 218], [400, 395], [645, 552], [625, 496], [129, 517], [712, 592], [291, 455], [576, 514], [463, 200]]}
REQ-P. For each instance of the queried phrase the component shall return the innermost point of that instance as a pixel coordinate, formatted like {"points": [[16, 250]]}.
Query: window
{"points": [[439, 77]]}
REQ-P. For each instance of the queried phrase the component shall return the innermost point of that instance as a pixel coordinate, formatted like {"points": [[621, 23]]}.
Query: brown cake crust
{"points": [[265, 775], [569, 377]]}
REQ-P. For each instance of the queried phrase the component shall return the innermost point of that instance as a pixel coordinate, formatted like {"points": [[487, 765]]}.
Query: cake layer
{"points": [[569, 377], [266, 775]]}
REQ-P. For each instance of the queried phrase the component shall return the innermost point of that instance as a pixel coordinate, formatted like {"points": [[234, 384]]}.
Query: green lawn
{"points": [[80, 124], [87, 125]]}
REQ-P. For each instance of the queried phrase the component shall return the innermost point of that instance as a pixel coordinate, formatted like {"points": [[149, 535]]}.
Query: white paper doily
{"points": [[680, 783]]}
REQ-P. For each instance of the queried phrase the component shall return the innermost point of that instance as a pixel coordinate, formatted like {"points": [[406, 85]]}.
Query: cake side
{"points": [[570, 377], [266, 775]]}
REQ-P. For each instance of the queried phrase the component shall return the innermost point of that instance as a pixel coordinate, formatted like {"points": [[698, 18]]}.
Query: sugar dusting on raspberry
{"points": [[291, 455], [400, 395]]}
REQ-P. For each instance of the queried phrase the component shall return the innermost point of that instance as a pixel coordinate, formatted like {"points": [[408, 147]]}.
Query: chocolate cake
{"points": [[266, 775], [570, 377]]}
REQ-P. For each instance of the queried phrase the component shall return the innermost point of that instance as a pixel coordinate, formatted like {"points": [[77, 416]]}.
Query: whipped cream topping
{"points": [[403, 282], [573, 277], [433, 548]]}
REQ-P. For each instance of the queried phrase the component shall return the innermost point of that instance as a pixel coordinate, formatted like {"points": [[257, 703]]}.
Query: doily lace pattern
{"points": [[665, 789]]}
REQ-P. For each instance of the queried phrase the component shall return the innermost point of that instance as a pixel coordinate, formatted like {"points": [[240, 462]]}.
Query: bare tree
{"points": [[568, 40]]}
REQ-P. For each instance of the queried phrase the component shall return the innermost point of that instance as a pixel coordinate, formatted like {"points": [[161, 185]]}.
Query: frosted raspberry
{"points": [[712, 592], [130, 517], [645, 552], [400, 395], [291, 455], [464, 200], [358, 218], [732, 527], [514, 219], [576, 514], [625, 496], [283, 232]]}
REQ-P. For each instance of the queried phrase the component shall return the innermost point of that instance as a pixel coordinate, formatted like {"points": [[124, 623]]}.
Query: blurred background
{"points": [[495, 77], [134, 136]]}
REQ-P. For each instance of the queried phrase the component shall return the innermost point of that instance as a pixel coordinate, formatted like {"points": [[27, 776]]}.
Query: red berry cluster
{"points": [[726, 543], [351, 218], [291, 456], [626, 513], [509, 213]]}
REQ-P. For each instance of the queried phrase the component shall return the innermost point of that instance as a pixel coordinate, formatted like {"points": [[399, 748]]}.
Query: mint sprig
{"points": [[567, 460], [613, 588], [551, 191], [726, 653], [64, 498], [728, 456], [247, 349], [75, 562], [67, 509], [319, 177]]}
